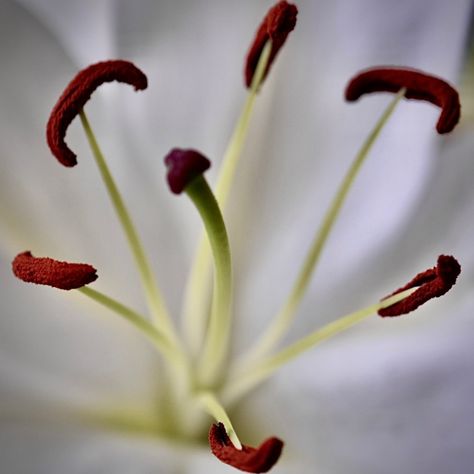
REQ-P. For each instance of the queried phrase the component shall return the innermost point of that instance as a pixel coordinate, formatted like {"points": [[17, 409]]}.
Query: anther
{"points": [[419, 86], [183, 167], [77, 93], [276, 26], [248, 459], [431, 283], [46, 271]]}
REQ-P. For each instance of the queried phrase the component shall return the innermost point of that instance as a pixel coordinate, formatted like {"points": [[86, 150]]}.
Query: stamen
{"points": [[153, 294], [419, 86], [77, 93], [183, 167], [276, 26], [248, 459], [245, 377], [158, 339], [432, 283], [46, 271], [282, 322], [214, 408], [216, 346]]}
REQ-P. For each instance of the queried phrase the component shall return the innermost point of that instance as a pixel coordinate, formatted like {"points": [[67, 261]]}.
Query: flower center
{"points": [[201, 379]]}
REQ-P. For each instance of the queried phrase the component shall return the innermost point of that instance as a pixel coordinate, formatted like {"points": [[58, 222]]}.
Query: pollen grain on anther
{"points": [[183, 167], [431, 283], [46, 271], [248, 459], [278, 23], [419, 86], [78, 92]]}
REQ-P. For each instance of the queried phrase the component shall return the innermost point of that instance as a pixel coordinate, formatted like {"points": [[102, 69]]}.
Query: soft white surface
{"points": [[388, 397]]}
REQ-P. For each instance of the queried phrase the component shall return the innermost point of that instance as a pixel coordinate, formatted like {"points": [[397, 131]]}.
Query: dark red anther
{"points": [[432, 283], [248, 459], [183, 167], [276, 26], [46, 271], [419, 86], [77, 93]]}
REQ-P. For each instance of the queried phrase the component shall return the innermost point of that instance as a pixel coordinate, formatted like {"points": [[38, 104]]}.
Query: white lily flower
{"points": [[81, 391]]}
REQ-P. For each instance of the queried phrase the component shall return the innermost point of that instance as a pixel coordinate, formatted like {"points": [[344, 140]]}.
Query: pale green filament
{"points": [[211, 405], [280, 325], [153, 294], [237, 141], [196, 301], [249, 376], [217, 337], [158, 339]]}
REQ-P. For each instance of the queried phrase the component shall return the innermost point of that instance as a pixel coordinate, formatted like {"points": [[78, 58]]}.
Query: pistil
{"points": [[272, 33], [216, 345], [198, 288], [186, 167]]}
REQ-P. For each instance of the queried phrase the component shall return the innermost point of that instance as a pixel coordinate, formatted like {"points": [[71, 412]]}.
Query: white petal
{"points": [[49, 449], [301, 116], [81, 27]]}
